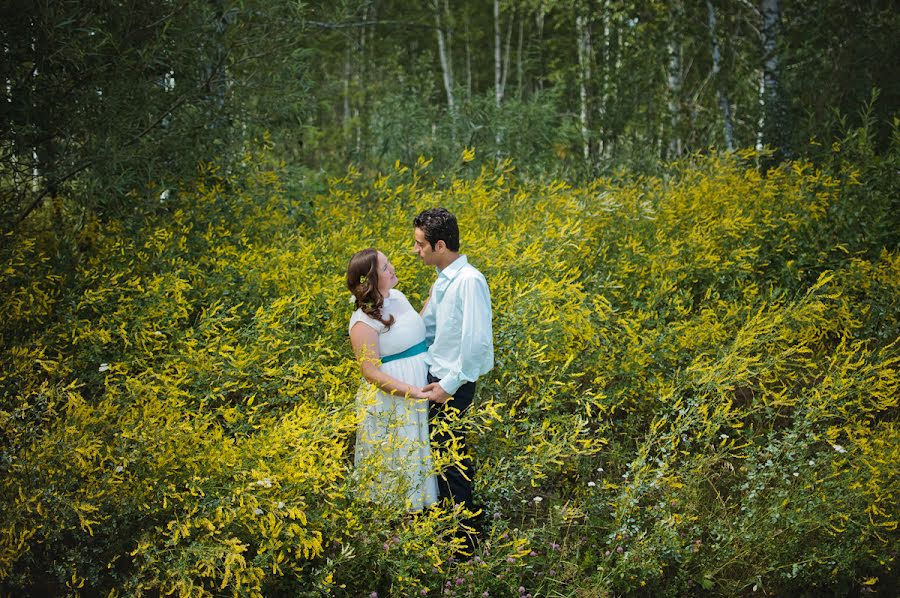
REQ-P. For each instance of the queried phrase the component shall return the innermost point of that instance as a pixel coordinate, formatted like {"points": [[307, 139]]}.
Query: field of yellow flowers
{"points": [[695, 389]]}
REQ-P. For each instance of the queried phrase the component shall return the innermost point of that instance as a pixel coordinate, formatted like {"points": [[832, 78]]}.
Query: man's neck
{"points": [[447, 259]]}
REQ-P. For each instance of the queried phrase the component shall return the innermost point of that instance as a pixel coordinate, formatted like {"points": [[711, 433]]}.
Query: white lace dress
{"points": [[393, 450]]}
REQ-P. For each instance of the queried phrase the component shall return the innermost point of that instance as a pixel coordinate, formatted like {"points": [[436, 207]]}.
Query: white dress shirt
{"points": [[458, 326]]}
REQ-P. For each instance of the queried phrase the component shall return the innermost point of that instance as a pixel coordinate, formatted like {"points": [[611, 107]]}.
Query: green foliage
{"points": [[377, 81], [99, 98], [695, 391]]}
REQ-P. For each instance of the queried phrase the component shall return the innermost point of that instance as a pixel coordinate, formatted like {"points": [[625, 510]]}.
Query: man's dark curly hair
{"points": [[439, 224]]}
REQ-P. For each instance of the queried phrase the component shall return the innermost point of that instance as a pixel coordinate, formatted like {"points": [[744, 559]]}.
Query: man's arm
{"points": [[429, 317], [476, 350]]}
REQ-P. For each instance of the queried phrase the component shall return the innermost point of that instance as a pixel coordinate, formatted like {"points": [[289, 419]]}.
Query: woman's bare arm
{"points": [[364, 340]]}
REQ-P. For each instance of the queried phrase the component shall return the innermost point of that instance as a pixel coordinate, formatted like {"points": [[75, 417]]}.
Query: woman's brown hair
{"points": [[362, 280]]}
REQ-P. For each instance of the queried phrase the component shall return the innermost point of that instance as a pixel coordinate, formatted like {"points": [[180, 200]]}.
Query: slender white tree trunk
{"points": [[520, 69], [724, 104], [361, 86], [498, 90], [446, 59], [604, 81], [616, 46], [506, 51], [468, 63], [539, 23], [674, 80], [760, 122], [775, 127], [584, 63], [501, 63], [348, 74], [35, 172]]}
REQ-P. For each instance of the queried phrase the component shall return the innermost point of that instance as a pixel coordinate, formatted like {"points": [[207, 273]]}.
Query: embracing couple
{"points": [[418, 366]]}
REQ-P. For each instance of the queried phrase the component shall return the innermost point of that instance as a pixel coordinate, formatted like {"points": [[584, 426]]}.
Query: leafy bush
{"points": [[696, 388]]}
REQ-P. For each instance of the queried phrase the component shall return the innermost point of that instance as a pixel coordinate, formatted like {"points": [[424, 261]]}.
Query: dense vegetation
{"points": [[696, 387], [103, 98], [697, 359]]}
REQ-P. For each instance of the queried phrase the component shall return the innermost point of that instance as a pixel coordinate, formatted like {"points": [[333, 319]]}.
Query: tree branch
{"points": [[324, 25], [37, 200]]}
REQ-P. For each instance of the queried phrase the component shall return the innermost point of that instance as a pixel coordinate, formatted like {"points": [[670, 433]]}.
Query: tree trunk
{"points": [[584, 80], [724, 104], [468, 63], [506, 51], [45, 152], [674, 81], [604, 83], [760, 122], [361, 88], [615, 41], [775, 131], [498, 67], [348, 75], [539, 22], [501, 64], [446, 61], [520, 70]]}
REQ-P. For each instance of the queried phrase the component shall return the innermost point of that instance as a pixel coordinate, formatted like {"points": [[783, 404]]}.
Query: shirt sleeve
{"points": [[476, 351], [429, 316]]}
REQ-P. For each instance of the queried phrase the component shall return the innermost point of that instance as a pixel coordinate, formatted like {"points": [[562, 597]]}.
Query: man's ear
{"points": [[440, 245]]}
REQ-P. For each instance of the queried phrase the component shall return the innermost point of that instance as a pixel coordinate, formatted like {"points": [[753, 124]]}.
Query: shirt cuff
{"points": [[451, 384]]}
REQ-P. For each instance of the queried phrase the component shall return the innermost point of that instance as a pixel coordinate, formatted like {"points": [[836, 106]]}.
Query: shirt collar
{"points": [[454, 268]]}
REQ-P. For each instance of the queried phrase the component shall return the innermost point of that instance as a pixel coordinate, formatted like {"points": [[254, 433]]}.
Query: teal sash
{"points": [[414, 350]]}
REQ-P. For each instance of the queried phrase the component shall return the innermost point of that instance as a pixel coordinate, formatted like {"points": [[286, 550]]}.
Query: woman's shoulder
{"points": [[360, 316]]}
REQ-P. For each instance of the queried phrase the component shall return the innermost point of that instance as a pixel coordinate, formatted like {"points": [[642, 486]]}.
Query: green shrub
{"points": [[695, 391]]}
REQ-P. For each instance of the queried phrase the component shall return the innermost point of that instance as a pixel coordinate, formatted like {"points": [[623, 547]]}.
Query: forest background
{"points": [[687, 212]]}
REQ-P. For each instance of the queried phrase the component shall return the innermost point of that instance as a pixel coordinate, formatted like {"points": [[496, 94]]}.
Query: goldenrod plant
{"points": [[695, 390]]}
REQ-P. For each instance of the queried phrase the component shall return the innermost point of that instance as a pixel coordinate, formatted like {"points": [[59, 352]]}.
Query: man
{"points": [[458, 330]]}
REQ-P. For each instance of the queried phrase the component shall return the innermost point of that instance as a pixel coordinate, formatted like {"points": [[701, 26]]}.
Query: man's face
{"points": [[423, 248]]}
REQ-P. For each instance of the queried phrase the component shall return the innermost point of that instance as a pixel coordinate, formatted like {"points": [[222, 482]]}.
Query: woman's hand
{"points": [[417, 392]]}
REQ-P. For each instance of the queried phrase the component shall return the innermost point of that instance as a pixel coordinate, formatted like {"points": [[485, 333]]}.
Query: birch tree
{"points": [[674, 80], [724, 104], [775, 129], [443, 53], [501, 62], [585, 53], [608, 67]]}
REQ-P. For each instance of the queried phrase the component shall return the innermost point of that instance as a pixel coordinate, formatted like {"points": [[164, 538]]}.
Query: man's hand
{"points": [[436, 394]]}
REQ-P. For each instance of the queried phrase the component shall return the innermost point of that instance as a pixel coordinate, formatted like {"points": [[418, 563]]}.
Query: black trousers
{"points": [[452, 483]]}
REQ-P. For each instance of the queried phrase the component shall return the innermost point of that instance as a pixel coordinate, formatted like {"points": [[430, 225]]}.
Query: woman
{"points": [[388, 338]]}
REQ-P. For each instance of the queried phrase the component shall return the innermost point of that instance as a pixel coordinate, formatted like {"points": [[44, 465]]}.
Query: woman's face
{"points": [[387, 280]]}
